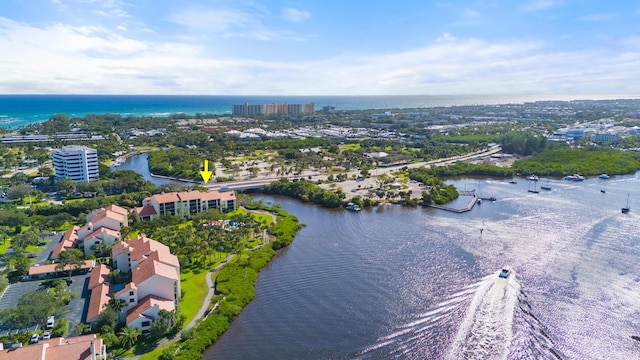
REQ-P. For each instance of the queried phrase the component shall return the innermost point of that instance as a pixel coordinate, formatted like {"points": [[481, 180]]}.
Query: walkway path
{"points": [[203, 312], [212, 289]]}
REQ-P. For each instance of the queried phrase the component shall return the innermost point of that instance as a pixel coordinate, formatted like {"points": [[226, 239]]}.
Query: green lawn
{"points": [[350, 147], [4, 245], [155, 353], [263, 218], [35, 248], [194, 286], [238, 211]]}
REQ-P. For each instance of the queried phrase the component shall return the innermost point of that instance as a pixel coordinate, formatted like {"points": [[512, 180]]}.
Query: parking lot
{"points": [[77, 307]]}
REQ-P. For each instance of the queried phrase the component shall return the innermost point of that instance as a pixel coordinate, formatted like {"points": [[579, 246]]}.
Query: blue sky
{"points": [[303, 47]]}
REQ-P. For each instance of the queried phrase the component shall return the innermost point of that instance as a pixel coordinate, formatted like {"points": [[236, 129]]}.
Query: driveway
{"points": [[53, 240], [78, 306]]}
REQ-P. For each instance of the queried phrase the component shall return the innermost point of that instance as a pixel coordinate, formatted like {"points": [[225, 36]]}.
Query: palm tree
{"points": [[81, 328], [129, 335]]}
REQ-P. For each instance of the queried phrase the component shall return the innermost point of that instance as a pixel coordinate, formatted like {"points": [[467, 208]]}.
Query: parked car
{"points": [[46, 335], [34, 339], [51, 321]]}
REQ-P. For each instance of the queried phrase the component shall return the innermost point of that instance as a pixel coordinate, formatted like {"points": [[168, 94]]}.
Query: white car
{"points": [[46, 335], [51, 321], [34, 339]]}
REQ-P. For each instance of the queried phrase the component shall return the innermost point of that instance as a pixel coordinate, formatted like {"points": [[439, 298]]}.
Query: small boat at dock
{"points": [[574, 177], [533, 177], [353, 207], [604, 176]]}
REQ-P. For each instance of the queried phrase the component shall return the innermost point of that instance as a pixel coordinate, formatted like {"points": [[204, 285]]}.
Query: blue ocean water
{"points": [[23, 110]]}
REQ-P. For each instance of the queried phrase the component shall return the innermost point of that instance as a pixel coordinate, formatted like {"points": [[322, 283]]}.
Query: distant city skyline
{"points": [[308, 47]]}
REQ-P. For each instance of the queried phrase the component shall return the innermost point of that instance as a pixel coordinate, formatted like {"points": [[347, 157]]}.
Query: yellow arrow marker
{"points": [[206, 174]]}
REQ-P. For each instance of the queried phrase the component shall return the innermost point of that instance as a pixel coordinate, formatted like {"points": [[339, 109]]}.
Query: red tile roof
{"points": [[99, 275], [145, 211], [125, 289], [189, 195], [99, 231], [68, 241], [107, 214], [51, 268], [73, 348], [34, 351], [149, 268], [146, 303], [165, 198], [117, 209], [192, 195], [141, 247], [163, 255], [99, 297], [227, 195]]}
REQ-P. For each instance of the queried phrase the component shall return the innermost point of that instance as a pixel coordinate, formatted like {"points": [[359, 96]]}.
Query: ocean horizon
{"points": [[23, 110]]}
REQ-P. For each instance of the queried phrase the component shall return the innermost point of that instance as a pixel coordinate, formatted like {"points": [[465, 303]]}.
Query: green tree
{"points": [[71, 258], [66, 186], [128, 335], [81, 328], [107, 320], [45, 171], [21, 241]]}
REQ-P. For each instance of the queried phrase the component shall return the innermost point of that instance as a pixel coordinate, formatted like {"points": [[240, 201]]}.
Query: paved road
{"points": [[378, 171]]}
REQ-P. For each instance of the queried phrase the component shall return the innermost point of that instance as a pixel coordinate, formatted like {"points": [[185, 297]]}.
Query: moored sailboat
{"points": [[626, 208]]}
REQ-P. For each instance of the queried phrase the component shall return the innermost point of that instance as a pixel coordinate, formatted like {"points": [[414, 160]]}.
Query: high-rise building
{"points": [[294, 109], [309, 108], [78, 163], [273, 108]]}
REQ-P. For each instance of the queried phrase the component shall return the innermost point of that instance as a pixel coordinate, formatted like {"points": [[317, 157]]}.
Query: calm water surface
{"points": [[140, 164], [402, 283]]}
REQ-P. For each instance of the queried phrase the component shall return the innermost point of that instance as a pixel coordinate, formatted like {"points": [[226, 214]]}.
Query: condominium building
{"points": [[185, 203], [103, 226], [154, 286], [78, 163]]}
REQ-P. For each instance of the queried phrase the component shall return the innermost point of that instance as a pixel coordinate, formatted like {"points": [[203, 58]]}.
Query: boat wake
{"points": [[499, 324], [495, 322]]}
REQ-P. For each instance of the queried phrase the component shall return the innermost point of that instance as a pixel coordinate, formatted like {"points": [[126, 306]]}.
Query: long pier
{"points": [[472, 203]]}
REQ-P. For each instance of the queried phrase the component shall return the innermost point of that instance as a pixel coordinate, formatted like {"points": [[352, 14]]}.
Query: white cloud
{"points": [[214, 20], [600, 17], [65, 59], [295, 15], [470, 13], [446, 37], [541, 5], [231, 22]]}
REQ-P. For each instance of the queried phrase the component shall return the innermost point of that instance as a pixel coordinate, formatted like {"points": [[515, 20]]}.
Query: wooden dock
{"points": [[472, 203]]}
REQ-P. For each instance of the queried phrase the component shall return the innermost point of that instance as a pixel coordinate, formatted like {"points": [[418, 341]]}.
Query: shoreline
{"points": [[172, 178]]}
